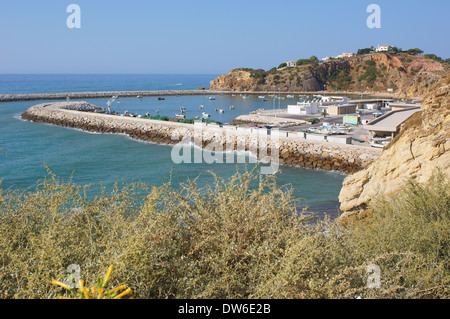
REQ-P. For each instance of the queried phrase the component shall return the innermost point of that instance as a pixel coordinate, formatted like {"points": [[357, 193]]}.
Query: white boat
{"points": [[211, 98], [180, 116], [376, 144], [380, 143], [290, 96], [182, 110], [221, 111], [201, 107], [261, 97], [205, 115], [232, 107]]}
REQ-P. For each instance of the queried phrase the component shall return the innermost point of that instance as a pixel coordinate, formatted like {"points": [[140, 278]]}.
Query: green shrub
{"points": [[238, 238]]}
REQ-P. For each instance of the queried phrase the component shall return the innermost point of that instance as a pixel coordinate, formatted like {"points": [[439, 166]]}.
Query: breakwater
{"points": [[109, 94], [93, 95], [290, 150]]}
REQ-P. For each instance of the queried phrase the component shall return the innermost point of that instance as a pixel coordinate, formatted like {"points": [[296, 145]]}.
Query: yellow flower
{"points": [[126, 292], [117, 288], [58, 283], [108, 274], [98, 291]]}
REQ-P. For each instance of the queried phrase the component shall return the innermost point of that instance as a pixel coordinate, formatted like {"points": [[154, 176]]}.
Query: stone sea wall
{"points": [[106, 94], [291, 151]]}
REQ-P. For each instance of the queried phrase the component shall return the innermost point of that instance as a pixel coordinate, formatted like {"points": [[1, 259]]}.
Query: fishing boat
{"points": [[205, 115], [379, 143], [232, 107], [211, 98], [201, 107], [221, 111], [180, 116], [376, 144]]}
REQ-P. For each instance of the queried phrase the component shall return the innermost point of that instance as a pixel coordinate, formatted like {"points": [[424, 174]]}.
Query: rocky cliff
{"points": [[408, 75], [422, 145]]}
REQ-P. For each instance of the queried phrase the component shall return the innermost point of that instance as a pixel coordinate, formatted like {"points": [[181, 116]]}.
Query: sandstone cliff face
{"points": [[235, 80], [422, 146], [408, 75]]}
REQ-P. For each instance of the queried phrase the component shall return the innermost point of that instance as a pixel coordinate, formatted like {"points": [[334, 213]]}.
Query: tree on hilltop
{"points": [[415, 51]]}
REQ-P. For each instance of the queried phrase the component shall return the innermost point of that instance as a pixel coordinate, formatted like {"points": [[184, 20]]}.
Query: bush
{"points": [[365, 51], [340, 79], [239, 238]]}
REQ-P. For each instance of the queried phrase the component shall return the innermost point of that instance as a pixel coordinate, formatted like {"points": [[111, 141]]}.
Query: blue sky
{"points": [[206, 37]]}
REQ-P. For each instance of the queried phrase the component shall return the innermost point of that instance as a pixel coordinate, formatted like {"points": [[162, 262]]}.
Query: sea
{"points": [[104, 159]]}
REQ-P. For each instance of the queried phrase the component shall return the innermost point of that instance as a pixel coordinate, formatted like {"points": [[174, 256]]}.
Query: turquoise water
{"points": [[93, 158]]}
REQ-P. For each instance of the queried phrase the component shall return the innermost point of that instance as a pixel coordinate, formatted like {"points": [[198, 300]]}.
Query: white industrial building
{"points": [[303, 108]]}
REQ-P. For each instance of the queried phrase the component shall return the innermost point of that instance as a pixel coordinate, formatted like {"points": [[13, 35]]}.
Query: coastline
{"points": [[292, 151]]}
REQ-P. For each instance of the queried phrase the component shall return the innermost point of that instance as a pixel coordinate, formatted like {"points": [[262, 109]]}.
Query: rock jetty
{"points": [[291, 150], [92, 95]]}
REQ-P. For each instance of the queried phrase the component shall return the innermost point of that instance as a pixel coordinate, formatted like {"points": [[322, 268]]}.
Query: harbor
{"points": [[292, 150]]}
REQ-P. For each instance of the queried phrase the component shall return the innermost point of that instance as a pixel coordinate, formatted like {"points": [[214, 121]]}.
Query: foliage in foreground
{"points": [[239, 238], [97, 291]]}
